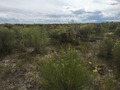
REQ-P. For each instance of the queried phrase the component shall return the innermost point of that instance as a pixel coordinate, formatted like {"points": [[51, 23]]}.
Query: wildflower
{"points": [[90, 63], [99, 69], [62, 60], [63, 65], [69, 48], [95, 71], [96, 68]]}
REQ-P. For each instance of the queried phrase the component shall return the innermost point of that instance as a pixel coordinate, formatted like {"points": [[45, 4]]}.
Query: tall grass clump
{"points": [[117, 32], [106, 48], [39, 39], [35, 37], [116, 53], [64, 71], [7, 41], [21, 38]]}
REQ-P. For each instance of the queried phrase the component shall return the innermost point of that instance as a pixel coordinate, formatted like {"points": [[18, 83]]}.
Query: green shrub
{"points": [[55, 37], [7, 41], [117, 32], [116, 53], [65, 36], [64, 71], [39, 39], [35, 37], [85, 31], [8, 25], [21, 38], [106, 48]]}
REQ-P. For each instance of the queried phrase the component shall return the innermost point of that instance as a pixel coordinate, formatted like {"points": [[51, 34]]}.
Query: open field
{"points": [[60, 56]]}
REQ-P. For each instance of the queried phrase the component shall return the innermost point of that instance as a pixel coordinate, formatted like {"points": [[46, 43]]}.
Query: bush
{"points": [[7, 41], [117, 32], [66, 36], [39, 39], [106, 48], [35, 37], [85, 31], [116, 53], [21, 38], [64, 71]]}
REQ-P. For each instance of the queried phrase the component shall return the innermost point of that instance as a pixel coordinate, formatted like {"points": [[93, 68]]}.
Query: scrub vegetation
{"points": [[60, 56]]}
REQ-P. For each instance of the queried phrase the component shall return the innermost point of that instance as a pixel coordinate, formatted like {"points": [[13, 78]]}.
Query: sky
{"points": [[59, 11]]}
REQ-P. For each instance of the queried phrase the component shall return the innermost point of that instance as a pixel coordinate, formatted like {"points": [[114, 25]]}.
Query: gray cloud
{"points": [[114, 3], [77, 12], [99, 17], [57, 11], [9, 20], [118, 1], [59, 15], [96, 16], [82, 11]]}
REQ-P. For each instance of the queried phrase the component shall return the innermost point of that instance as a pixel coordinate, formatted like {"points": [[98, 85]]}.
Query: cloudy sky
{"points": [[59, 11]]}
